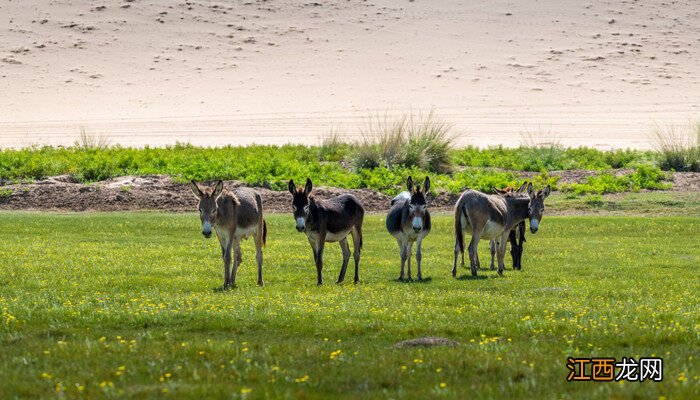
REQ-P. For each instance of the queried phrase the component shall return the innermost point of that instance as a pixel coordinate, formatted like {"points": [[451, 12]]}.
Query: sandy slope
{"points": [[598, 73]]}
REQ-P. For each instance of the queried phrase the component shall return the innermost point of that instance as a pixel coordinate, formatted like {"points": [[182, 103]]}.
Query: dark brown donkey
{"points": [[492, 217], [408, 221], [329, 220], [234, 216]]}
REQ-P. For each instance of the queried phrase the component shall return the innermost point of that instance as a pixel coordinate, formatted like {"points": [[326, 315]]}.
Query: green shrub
{"points": [[550, 158], [644, 177], [679, 149], [419, 141]]}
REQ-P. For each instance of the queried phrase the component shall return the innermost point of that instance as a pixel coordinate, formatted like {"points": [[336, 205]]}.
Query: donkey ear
{"points": [[426, 185], [546, 192], [498, 191], [530, 190], [195, 189], [218, 188], [409, 184], [309, 186], [522, 188], [292, 187]]}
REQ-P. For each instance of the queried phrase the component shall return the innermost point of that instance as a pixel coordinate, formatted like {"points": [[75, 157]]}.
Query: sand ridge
{"points": [[598, 73]]}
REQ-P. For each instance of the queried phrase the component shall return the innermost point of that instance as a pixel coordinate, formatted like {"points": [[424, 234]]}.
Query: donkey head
{"points": [[535, 208], [300, 203], [208, 207], [417, 206]]}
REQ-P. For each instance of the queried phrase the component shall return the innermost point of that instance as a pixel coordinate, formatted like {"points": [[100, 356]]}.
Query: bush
{"points": [[679, 149], [424, 142], [550, 158], [644, 177]]}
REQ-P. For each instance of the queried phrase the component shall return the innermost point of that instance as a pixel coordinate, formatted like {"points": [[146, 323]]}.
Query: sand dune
{"points": [[599, 73]]}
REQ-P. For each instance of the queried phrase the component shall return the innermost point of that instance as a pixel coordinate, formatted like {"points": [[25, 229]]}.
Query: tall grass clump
{"points": [[422, 141], [88, 140], [679, 149], [334, 146]]}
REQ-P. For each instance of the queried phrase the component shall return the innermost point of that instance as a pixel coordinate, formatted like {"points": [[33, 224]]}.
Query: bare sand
{"points": [[153, 72]]}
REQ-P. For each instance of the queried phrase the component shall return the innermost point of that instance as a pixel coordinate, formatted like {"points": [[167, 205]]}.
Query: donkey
{"points": [[517, 234], [492, 217], [234, 215], [408, 221], [329, 220]]}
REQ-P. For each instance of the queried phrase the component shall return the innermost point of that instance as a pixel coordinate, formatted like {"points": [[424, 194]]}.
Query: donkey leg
{"points": [[402, 254], [513, 248], [492, 244], [226, 257], [346, 259], [419, 256], [319, 261], [357, 248], [473, 255], [409, 253], [259, 257], [457, 251], [313, 248], [236, 262], [501, 253]]}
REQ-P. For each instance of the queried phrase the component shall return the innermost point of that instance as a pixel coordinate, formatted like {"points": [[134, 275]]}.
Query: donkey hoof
{"points": [[500, 272], [338, 282], [356, 281], [261, 283]]}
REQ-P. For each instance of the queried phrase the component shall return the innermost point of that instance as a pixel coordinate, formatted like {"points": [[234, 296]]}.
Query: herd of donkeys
{"points": [[500, 218]]}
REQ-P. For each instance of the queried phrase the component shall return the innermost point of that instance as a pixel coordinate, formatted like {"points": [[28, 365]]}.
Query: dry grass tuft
{"points": [[679, 147]]}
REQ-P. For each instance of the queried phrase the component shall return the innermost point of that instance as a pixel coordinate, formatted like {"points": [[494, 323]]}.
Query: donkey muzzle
{"points": [[301, 225], [417, 224], [534, 225], [206, 230]]}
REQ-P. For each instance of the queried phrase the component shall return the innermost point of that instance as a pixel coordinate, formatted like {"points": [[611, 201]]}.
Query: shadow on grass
{"points": [[222, 289], [471, 278], [418, 281]]}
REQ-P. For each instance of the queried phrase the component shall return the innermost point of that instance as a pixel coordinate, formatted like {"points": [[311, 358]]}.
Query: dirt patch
{"points": [[429, 341], [686, 181], [128, 193], [157, 192]]}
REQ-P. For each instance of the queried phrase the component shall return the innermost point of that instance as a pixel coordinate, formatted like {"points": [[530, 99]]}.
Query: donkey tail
{"points": [[459, 229], [264, 235]]}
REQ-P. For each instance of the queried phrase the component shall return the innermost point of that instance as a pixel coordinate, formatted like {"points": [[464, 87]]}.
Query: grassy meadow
{"points": [[105, 305]]}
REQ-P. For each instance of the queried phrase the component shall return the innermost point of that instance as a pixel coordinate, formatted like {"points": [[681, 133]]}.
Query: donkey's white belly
{"points": [[330, 237], [245, 233], [492, 230]]}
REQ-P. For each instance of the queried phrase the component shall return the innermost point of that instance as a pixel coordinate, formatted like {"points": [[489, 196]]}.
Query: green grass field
{"points": [[111, 305]]}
